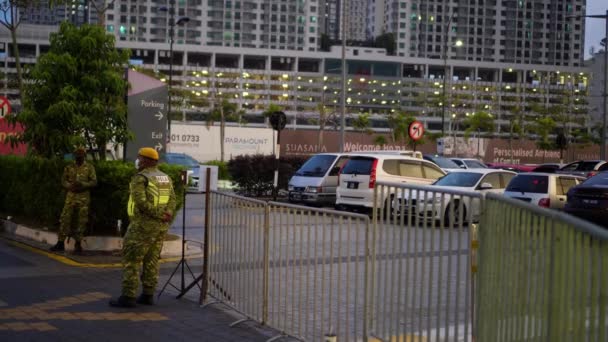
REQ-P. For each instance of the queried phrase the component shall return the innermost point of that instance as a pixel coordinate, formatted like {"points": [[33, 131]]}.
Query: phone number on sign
{"points": [[185, 137]]}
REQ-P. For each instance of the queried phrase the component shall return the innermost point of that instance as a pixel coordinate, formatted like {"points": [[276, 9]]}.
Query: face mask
{"points": [[137, 164]]}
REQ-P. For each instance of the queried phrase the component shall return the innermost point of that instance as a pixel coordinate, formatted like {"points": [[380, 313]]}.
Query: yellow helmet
{"points": [[148, 152]]}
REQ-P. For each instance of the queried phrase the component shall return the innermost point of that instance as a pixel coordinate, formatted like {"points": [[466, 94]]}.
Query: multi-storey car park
{"points": [[514, 57]]}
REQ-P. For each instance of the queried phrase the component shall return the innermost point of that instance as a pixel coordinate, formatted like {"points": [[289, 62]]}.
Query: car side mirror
{"points": [[485, 186]]}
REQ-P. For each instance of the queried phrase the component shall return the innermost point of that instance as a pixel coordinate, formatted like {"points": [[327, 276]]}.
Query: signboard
{"points": [[7, 130], [5, 107], [416, 130], [203, 143], [147, 114]]}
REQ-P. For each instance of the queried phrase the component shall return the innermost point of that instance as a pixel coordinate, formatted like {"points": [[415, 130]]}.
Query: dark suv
{"points": [[589, 200]]}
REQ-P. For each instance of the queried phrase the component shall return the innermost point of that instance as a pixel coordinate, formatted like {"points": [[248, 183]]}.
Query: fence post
{"points": [[266, 274], [205, 275]]}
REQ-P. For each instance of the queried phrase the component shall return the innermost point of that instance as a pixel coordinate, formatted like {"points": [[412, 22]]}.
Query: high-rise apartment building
{"points": [[509, 31]]}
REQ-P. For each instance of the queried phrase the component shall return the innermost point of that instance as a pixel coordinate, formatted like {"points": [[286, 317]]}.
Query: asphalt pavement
{"points": [[44, 299]]}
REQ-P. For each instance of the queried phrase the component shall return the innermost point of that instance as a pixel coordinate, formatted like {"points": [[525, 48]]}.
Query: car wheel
{"points": [[449, 222]]}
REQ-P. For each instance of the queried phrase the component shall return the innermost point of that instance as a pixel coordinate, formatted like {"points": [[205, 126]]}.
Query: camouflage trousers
{"points": [[79, 203], [142, 245]]}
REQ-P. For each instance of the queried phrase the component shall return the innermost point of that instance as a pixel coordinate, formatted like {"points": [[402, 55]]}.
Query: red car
{"points": [[512, 167]]}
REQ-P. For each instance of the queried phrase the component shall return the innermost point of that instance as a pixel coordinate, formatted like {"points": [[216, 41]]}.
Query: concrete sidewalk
{"points": [[43, 299]]}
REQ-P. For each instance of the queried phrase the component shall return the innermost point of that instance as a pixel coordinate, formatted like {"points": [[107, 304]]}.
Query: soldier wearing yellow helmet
{"points": [[151, 208]]}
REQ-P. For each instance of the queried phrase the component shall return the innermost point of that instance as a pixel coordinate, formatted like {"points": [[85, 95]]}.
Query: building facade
{"points": [[516, 56]]}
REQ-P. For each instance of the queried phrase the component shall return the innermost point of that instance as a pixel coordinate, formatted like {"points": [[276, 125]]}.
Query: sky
{"points": [[595, 28]]}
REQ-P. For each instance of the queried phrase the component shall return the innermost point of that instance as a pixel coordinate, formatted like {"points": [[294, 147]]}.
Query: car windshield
{"points": [[599, 179], [529, 183], [443, 163], [316, 166], [586, 166], [461, 179], [359, 166], [181, 159]]}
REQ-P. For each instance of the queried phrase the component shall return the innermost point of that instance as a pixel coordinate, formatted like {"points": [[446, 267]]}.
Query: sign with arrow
{"points": [[148, 117], [416, 130]]}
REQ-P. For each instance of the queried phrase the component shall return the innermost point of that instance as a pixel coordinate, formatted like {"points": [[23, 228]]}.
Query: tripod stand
{"points": [[183, 263]]}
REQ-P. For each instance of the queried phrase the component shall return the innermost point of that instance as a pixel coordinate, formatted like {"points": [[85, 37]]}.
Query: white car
{"points": [[360, 174], [469, 163], [547, 190], [439, 205]]}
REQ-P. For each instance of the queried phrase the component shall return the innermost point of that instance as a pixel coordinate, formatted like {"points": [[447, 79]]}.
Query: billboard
{"points": [[203, 142]]}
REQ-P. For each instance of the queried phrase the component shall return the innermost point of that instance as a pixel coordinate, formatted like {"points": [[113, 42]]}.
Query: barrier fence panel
{"points": [[543, 275], [420, 283], [237, 253], [317, 271]]}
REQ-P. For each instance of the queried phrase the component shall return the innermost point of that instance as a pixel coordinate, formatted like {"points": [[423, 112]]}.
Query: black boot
{"points": [[123, 302], [145, 299], [77, 248], [59, 247]]}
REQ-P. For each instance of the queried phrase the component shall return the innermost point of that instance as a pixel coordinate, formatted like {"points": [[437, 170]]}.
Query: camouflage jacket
{"points": [[151, 195], [78, 179]]}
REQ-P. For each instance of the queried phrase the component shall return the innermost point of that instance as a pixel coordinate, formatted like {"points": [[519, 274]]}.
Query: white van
{"points": [[360, 174], [316, 181]]}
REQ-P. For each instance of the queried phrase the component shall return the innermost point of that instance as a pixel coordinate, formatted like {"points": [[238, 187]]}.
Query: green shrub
{"points": [[254, 174], [31, 188], [222, 168]]}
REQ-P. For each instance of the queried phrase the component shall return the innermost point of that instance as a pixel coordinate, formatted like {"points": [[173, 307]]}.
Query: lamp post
{"points": [[343, 97], [445, 70], [172, 24], [446, 37], [605, 95]]}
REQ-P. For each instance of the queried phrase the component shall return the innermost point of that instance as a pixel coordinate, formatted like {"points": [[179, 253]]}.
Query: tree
{"points": [[479, 122], [387, 41], [75, 93], [515, 126], [11, 20], [101, 8], [361, 123], [543, 127], [380, 140], [224, 110]]}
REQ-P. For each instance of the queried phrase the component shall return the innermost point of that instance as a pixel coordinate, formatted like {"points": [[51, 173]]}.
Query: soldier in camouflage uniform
{"points": [[78, 178], [151, 207]]}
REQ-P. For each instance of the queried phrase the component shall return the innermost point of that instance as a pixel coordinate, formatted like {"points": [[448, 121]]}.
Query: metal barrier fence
{"points": [[421, 283], [410, 273], [298, 269], [543, 275]]}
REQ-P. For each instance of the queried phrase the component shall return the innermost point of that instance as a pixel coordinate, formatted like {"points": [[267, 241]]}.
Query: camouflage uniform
{"points": [[151, 196], [83, 177]]}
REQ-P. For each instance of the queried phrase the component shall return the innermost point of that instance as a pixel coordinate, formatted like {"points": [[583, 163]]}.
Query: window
{"points": [[473, 164], [506, 178], [564, 184], [410, 169], [359, 166], [316, 166], [339, 164], [391, 167], [494, 179], [529, 183], [431, 172]]}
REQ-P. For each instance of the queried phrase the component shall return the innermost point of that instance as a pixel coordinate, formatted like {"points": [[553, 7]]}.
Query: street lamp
{"points": [[172, 23], [603, 132], [445, 69]]}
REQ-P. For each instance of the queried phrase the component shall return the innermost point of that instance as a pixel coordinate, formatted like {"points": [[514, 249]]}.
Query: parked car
{"points": [[544, 189], [584, 168], [192, 165], [475, 180], [469, 163], [446, 164], [360, 174], [589, 200], [512, 167], [316, 181], [548, 167]]}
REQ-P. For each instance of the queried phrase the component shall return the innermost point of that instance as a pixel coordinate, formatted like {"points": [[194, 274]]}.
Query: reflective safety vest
{"points": [[158, 189]]}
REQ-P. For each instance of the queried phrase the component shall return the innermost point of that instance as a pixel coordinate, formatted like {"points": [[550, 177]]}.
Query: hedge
{"points": [[254, 174], [31, 188]]}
